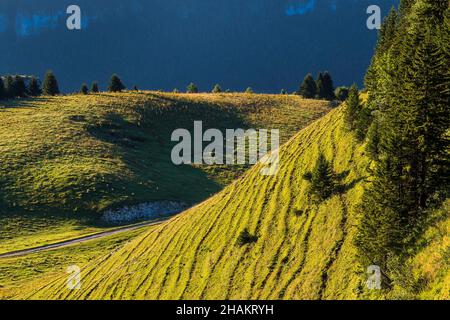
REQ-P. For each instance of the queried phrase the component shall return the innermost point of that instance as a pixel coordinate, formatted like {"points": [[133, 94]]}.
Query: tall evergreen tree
{"points": [[2, 89], [308, 88], [386, 37], [115, 84], [84, 89], [34, 88], [217, 89], [94, 87], [353, 108], [320, 94], [50, 86], [19, 87], [328, 87], [9, 87], [322, 181], [192, 88]]}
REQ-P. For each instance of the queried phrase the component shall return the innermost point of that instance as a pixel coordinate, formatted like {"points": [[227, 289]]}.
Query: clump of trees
{"points": [[321, 88], [12, 87], [408, 85]]}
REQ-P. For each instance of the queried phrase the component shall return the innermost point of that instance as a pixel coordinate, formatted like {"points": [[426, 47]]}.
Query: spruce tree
{"points": [[353, 108], [217, 89], [9, 87], [328, 87], [308, 88], [115, 84], [84, 89], [2, 89], [320, 94], [322, 181], [34, 88], [19, 87], [373, 139], [50, 86], [192, 88], [94, 87]]}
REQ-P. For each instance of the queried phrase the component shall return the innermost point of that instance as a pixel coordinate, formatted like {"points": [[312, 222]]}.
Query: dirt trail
{"points": [[79, 240]]}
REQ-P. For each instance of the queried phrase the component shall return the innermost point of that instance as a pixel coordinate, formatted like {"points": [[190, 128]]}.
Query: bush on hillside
{"points": [[341, 93], [246, 237]]}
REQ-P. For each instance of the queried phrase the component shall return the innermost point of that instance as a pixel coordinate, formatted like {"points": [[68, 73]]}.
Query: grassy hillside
{"points": [[303, 250], [87, 153], [64, 159]]}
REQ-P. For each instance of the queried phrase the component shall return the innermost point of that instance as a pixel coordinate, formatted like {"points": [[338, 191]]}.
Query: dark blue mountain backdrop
{"points": [[165, 44]]}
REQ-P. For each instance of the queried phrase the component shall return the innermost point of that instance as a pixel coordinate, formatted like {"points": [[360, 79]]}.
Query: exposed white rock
{"points": [[143, 211]]}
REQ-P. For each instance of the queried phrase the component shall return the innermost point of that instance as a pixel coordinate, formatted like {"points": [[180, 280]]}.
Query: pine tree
{"points": [[94, 87], [320, 94], [115, 84], [353, 108], [34, 88], [217, 89], [373, 139], [386, 38], [9, 87], [2, 89], [328, 87], [322, 181], [84, 89], [19, 87], [308, 88], [192, 88], [50, 86]]}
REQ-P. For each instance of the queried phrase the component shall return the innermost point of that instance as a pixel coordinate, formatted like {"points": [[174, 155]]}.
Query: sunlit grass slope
{"points": [[303, 251]]}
